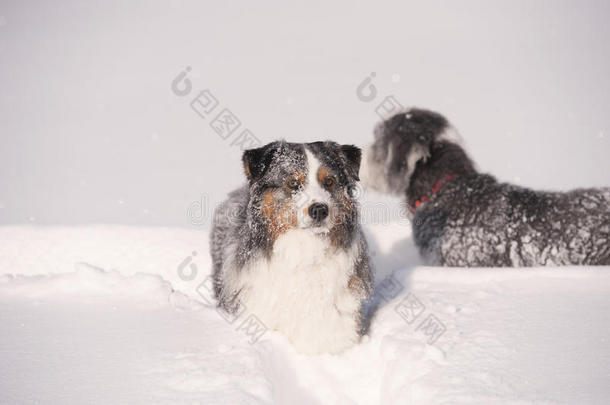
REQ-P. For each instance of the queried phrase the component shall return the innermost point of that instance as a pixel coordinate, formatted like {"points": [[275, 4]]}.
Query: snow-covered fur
{"points": [[464, 218], [288, 245]]}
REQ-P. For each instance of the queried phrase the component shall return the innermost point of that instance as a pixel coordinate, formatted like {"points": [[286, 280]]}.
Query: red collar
{"points": [[435, 189]]}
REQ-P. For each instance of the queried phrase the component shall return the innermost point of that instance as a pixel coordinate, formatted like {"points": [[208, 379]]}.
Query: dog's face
{"points": [[400, 143], [307, 186]]}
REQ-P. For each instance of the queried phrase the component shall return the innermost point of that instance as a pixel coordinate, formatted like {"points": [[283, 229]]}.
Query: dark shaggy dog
{"points": [[288, 247], [465, 218]]}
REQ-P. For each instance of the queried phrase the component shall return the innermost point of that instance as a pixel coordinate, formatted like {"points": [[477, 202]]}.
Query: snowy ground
{"points": [[100, 314]]}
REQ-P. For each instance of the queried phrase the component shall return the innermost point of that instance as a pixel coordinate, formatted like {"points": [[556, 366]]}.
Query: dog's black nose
{"points": [[318, 211]]}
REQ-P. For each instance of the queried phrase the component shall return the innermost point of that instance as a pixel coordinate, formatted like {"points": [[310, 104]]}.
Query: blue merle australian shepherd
{"points": [[465, 218], [288, 245]]}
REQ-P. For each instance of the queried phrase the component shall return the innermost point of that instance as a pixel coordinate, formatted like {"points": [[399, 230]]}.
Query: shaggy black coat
{"points": [[465, 218]]}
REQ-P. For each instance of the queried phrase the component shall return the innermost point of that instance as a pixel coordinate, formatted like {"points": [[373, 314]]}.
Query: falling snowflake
{"points": [[395, 77]]}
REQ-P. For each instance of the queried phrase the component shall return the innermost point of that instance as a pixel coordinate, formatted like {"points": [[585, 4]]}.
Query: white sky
{"points": [[90, 131]]}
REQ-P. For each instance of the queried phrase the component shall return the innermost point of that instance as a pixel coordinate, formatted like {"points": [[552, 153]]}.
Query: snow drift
{"points": [[102, 315]]}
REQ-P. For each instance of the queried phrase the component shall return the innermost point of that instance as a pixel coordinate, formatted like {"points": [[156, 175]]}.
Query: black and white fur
{"points": [[288, 245], [474, 220]]}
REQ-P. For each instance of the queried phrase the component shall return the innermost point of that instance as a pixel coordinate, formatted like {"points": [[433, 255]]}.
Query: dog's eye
{"points": [[293, 184], [329, 182]]}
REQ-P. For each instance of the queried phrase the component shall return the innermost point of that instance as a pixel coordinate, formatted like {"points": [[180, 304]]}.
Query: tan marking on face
{"points": [[341, 214], [278, 214], [337, 236], [323, 173], [247, 167]]}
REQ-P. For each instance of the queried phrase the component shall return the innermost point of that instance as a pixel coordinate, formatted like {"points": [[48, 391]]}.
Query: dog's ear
{"points": [[352, 154], [257, 160]]}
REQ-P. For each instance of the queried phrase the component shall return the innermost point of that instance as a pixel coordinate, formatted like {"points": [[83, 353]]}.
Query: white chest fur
{"points": [[302, 291]]}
